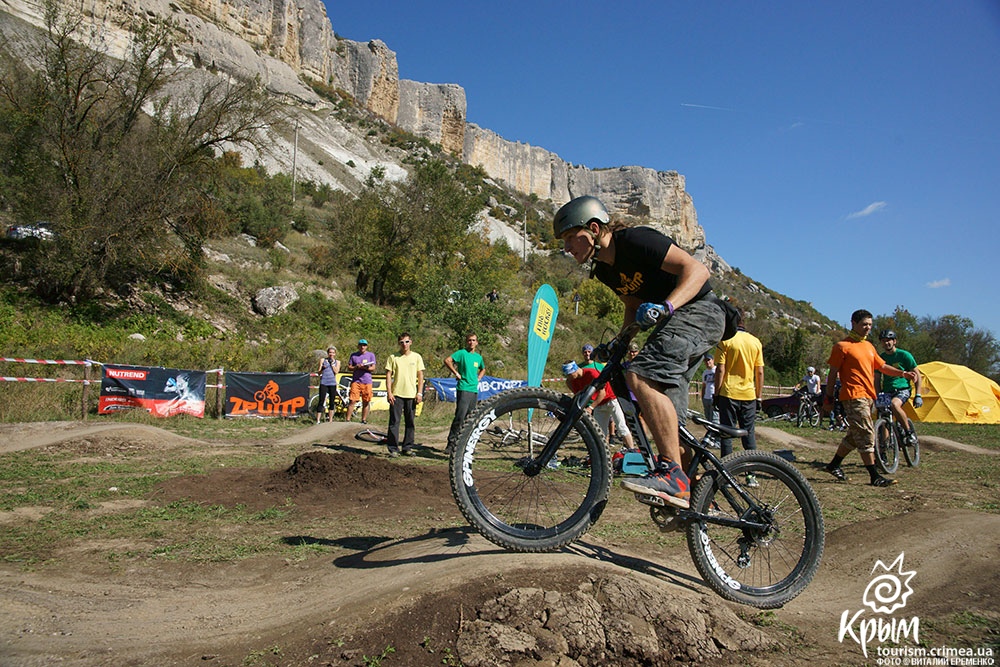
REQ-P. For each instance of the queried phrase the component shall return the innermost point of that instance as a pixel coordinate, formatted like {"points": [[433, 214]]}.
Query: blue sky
{"points": [[842, 153]]}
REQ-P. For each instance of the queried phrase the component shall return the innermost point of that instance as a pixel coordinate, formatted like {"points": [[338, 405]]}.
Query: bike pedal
{"points": [[653, 501]]}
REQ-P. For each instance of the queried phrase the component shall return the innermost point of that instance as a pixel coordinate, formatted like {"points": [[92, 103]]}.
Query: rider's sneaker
{"points": [[882, 481], [667, 482], [911, 438], [836, 472], [752, 482]]}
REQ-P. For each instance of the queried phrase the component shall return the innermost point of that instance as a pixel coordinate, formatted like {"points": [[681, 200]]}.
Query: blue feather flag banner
{"points": [[544, 311]]}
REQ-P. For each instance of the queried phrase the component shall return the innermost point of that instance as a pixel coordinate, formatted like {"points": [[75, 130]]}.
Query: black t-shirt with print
{"points": [[637, 272]]}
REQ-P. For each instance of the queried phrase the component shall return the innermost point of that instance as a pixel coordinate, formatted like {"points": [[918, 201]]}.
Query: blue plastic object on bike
{"points": [[633, 463], [649, 314]]}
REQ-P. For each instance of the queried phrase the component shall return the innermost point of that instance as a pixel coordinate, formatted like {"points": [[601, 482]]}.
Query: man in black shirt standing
{"points": [[650, 272]]}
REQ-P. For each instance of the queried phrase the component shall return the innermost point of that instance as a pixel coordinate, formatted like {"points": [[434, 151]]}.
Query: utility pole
{"points": [[524, 237], [295, 155]]}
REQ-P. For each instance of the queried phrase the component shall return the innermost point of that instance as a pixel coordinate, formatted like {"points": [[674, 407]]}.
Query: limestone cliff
{"points": [[287, 43]]}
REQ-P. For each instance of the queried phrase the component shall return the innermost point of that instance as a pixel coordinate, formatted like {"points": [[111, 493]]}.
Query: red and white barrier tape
{"points": [[14, 379], [61, 362]]}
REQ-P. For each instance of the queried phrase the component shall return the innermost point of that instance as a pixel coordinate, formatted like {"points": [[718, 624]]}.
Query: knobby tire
{"points": [[371, 435], [911, 452], [509, 507], [762, 569], [886, 447]]}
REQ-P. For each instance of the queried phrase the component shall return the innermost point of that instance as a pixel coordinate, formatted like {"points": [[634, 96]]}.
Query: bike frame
{"points": [[613, 372]]}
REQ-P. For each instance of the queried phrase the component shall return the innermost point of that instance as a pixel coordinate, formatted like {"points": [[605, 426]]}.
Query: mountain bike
{"points": [[758, 546], [808, 410], [891, 437], [340, 403]]}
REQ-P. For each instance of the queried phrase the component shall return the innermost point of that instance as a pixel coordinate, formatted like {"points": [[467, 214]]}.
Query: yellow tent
{"points": [[955, 394]]}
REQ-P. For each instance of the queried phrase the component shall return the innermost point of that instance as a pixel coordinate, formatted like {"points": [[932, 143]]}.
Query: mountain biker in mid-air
{"points": [[656, 280]]}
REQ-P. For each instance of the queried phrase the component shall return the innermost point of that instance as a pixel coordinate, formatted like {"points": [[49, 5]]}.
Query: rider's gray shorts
{"points": [[902, 394], [672, 354]]}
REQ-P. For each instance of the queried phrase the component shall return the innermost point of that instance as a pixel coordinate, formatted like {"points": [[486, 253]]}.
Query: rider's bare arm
{"points": [[691, 274]]}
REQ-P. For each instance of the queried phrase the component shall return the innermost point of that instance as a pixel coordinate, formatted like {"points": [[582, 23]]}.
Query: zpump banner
{"points": [[267, 394]]}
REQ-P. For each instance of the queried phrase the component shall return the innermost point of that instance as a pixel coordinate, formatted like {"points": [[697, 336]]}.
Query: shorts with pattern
{"points": [[902, 394], [860, 429]]}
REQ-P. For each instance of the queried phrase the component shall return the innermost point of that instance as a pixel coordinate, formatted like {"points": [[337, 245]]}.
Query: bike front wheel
{"points": [[803, 415], [814, 416], [886, 447], [766, 566], [911, 451], [493, 484]]}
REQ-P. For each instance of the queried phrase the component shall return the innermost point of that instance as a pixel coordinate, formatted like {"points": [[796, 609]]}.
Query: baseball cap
{"points": [[570, 367], [362, 342], [588, 348]]}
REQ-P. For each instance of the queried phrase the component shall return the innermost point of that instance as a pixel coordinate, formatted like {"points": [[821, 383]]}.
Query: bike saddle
{"points": [[719, 429]]}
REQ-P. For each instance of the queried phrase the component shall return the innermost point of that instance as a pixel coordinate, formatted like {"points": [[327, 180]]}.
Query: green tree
{"points": [[112, 153], [599, 300], [950, 338], [395, 234]]}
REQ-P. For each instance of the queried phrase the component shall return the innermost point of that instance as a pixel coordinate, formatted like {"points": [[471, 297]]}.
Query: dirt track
{"points": [[432, 582]]}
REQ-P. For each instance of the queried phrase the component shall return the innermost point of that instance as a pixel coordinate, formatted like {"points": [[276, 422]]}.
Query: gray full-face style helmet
{"points": [[578, 213]]}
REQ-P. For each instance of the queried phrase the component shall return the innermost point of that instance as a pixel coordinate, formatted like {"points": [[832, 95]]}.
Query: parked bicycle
{"points": [[891, 438], [340, 402], [758, 546], [808, 412]]}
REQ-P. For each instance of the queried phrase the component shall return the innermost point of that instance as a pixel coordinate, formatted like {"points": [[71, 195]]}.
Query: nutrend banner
{"points": [[162, 392], [267, 394]]}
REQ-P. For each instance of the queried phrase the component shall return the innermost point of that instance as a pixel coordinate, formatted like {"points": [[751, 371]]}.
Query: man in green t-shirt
{"points": [[468, 368], [899, 388]]}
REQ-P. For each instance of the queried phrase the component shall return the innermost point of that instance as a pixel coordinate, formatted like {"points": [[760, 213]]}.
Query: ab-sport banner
{"points": [[267, 394], [163, 392], [488, 386]]}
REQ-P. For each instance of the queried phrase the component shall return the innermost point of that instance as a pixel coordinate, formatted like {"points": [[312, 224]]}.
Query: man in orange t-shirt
{"points": [[855, 361]]}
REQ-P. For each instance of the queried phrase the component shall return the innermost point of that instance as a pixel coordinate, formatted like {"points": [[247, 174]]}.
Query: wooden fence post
{"points": [[218, 394], [86, 383]]}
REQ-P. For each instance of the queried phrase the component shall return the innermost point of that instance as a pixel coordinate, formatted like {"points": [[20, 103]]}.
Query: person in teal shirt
{"points": [[899, 388], [468, 368]]}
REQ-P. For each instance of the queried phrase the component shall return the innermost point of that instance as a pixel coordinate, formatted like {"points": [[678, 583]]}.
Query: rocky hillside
{"points": [[291, 45], [343, 98]]}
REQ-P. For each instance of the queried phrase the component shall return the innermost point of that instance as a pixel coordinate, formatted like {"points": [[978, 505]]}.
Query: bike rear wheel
{"points": [[911, 452], [886, 447], [371, 435], [767, 567], [511, 507]]}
